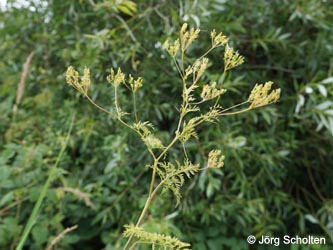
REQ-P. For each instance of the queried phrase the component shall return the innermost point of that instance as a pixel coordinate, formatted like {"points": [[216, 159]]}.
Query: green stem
{"points": [[153, 177], [33, 216], [144, 212], [108, 112], [236, 112], [142, 215], [134, 107], [235, 106], [183, 69], [97, 106], [206, 53], [152, 192], [168, 147], [177, 66], [119, 111]]}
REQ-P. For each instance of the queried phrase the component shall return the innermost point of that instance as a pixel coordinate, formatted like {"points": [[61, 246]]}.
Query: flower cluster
{"points": [[231, 58], [135, 84], [187, 37], [211, 91], [197, 69], [73, 79], [218, 39], [116, 79], [261, 95], [172, 48], [215, 159]]}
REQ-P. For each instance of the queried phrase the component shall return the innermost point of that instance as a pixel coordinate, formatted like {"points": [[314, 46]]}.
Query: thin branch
{"points": [[235, 112], [97, 106], [314, 185], [60, 236], [5, 209], [130, 33], [80, 195]]}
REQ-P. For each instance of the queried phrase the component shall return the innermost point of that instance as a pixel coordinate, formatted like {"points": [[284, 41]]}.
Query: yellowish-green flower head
{"points": [[218, 39], [232, 58], [172, 48], [73, 79], [135, 84], [261, 95], [116, 78], [211, 91], [187, 37], [215, 159]]}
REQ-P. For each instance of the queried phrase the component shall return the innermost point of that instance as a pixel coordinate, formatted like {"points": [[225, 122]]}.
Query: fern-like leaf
{"points": [[173, 176], [158, 241], [144, 129]]}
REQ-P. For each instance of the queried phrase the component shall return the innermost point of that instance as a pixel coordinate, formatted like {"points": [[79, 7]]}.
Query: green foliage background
{"points": [[278, 173]]}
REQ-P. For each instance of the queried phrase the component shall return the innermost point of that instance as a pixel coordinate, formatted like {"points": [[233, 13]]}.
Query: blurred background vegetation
{"points": [[278, 173]]}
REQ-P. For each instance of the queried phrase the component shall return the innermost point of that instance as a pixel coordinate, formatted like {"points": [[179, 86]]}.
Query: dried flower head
{"points": [[172, 48], [231, 58], [73, 79], [187, 37], [135, 84], [211, 91], [72, 76], [261, 95], [86, 79], [116, 79], [215, 159], [202, 67], [218, 40]]}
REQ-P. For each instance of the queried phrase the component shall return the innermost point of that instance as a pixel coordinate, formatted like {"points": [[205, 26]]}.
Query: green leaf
{"points": [[9, 229], [7, 198], [209, 190], [322, 90], [327, 80], [40, 233], [34, 193], [311, 218], [324, 105], [237, 142], [5, 172], [127, 7]]}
